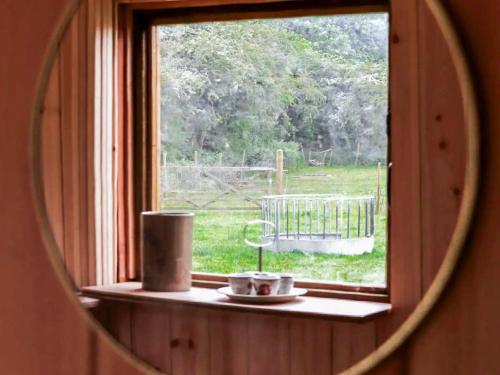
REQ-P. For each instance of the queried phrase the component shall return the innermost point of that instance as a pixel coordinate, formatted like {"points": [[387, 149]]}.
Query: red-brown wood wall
{"points": [[43, 330], [78, 146], [67, 153]]}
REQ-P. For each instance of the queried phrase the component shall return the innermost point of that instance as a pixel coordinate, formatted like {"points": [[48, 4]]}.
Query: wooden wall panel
{"points": [[229, 351], [310, 347], [190, 341], [218, 342], [106, 155], [150, 334], [85, 76], [351, 342], [405, 212], [442, 139], [268, 345], [66, 153], [119, 322], [101, 111], [462, 332], [460, 335]]}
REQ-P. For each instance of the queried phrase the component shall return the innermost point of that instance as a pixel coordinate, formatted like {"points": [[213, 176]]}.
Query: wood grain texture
{"points": [[472, 302], [46, 333], [119, 322], [150, 329], [229, 351], [237, 342], [351, 342], [128, 255], [404, 277], [100, 145], [443, 165], [302, 346], [309, 307], [268, 345], [310, 347], [66, 154], [190, 340], [84, 221], [90, 110], [105, 155]]}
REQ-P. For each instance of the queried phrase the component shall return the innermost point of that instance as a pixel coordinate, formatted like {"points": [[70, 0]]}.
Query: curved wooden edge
{"points": [[467, 206], [37, 192]]}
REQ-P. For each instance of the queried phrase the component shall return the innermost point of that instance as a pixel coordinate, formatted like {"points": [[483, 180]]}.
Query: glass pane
{"points": [[235, 97]]}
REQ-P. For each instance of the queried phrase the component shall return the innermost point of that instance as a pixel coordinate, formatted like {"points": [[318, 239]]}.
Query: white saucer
{"points": [[254, 298]]}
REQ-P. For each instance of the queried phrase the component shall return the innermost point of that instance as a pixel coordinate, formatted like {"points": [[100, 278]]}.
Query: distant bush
{"points": [[234, 90]]}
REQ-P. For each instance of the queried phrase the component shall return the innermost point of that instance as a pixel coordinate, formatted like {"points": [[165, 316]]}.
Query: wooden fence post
{"points": [[279, 172], [196, 158], [242, 174]]}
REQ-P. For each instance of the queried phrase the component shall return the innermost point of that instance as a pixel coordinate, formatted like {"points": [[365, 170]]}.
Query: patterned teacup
{"points": [[266, 284], [241, 283]]}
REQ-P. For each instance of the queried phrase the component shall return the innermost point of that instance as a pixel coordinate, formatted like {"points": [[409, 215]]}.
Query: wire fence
{"points": [[195, 186]]}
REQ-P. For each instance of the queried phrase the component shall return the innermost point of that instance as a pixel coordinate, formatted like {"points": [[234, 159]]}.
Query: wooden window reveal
{"points": [[138, 108]]}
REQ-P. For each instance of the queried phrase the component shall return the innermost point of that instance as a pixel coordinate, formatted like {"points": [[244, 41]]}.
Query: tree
{"points": [[267, 84]]}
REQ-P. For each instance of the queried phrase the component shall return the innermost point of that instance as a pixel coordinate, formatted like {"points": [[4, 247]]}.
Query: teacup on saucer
{"points": [[266, 284], [241, 283]]}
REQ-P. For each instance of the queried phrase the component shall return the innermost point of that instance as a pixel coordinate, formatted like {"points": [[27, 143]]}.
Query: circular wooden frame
{"points": [[446, 269]]}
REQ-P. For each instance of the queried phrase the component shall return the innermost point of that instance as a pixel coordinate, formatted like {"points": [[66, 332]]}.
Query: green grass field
{"points": [[218, 235]]}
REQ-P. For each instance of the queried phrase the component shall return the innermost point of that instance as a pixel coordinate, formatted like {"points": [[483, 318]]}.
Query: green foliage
{"points": [[255, 86]]}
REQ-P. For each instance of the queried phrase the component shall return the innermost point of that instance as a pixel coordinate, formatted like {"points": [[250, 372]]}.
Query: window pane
{"points": [[236, 98]]}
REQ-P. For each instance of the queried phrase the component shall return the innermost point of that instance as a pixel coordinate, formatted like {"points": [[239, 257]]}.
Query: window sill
{"points": [[310, 307]]}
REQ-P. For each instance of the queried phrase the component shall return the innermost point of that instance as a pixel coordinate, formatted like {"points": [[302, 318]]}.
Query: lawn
{"points": [[218, 235]]}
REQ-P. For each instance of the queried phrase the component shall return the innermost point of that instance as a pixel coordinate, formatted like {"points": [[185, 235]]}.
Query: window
{"points": [[281, 119]]}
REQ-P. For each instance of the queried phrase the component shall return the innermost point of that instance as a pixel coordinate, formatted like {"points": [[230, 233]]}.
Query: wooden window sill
{"points": [[310, 307]]}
